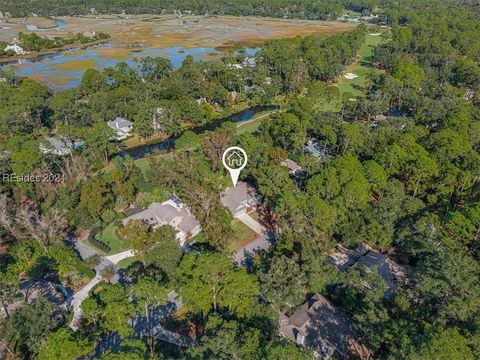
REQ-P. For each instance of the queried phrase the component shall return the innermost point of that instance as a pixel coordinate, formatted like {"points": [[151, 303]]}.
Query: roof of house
{"points": [[188, 223], [119, 123], [167, 212], [33, 289], [316, 149], [389, 270], [57, 145], [249, 61], [235, 197], [324, 327], [291, 165]]}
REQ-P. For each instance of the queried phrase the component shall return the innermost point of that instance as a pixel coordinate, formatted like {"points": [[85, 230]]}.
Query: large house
{"points": [[324, 328], [122, 127], [390, 271], [240, 198], [172, 212], [55, 146]]}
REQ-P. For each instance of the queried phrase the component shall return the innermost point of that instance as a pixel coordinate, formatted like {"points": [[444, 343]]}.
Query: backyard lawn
{"points": [[242, 235], [109, 237]]}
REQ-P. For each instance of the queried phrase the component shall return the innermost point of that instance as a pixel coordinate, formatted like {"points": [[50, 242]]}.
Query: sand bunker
{"points": [[350, 76]]}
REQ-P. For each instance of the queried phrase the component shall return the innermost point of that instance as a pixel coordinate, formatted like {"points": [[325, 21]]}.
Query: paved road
{"points": [[245, 255], [85, 252], [251, 223]]}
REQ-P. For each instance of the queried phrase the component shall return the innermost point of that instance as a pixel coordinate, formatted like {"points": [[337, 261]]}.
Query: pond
{"points": [[141, 151]]}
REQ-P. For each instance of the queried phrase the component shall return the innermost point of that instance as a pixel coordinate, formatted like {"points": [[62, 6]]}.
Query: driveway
{"points": [[85, 252], [245, 255], [116, 258], [251, 223]]}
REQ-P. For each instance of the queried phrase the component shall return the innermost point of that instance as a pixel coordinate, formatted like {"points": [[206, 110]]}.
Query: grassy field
{"points": [[361, 68], [110, 238], [125, 263], [242, 234], [77, 65], [143, 164], [252, 125]]}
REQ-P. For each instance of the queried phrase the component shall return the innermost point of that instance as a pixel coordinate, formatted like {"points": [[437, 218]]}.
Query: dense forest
{"points": [[400, 173], [308, 9]]}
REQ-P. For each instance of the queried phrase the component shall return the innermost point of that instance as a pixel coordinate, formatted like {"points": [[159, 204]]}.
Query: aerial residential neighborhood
{"points": [[278, 180]]}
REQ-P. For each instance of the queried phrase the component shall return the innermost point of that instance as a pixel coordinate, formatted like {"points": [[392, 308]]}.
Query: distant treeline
{"points": [[34, 42], [307, 9]]}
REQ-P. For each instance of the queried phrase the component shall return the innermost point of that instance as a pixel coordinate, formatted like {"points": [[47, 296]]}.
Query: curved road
{"points": [[85, 252]]}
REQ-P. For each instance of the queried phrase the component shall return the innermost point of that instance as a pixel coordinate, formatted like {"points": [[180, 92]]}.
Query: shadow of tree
{"points": [[45, 267]]}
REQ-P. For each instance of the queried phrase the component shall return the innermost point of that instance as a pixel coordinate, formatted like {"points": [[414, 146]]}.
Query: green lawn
{"points": [[242, 233], [125, 263], [252, 125], [110, 238], [143, 164], [361, 68]]}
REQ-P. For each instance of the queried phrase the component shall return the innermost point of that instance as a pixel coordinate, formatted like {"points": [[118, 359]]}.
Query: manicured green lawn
{"points": [[242, 234], [125, 263], [361, 68], [110, 238]]}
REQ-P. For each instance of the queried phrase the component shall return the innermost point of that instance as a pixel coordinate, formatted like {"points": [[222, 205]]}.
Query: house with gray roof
{"points": [[249, 62], [390, 271], [30, 291], [326, 329], [122, 127], [292, 166], [56, 146], [313, 147], [240, 198], [172, 212]]}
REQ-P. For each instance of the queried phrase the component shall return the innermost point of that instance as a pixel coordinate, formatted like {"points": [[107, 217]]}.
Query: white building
{"points": [[17, 49], [122, 127]]}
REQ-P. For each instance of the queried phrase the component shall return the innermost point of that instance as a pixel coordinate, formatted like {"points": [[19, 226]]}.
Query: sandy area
{"points": [[189, 31], [350, 76]]}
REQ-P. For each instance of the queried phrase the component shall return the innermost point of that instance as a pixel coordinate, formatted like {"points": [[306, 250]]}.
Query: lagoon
{"points": [[64, 70]]}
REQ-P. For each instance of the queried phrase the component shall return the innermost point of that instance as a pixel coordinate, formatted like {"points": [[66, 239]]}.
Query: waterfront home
{"points": [[327, 330], [15, 48], [56, 146], [89, 34], [122, 127], [172, 212], [249, 62]]}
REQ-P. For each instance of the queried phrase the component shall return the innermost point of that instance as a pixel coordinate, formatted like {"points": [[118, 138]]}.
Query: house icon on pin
{"points": [[234, 159]]}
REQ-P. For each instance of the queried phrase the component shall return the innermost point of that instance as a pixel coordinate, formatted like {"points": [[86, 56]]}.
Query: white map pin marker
{"points": [[234, 159]]}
